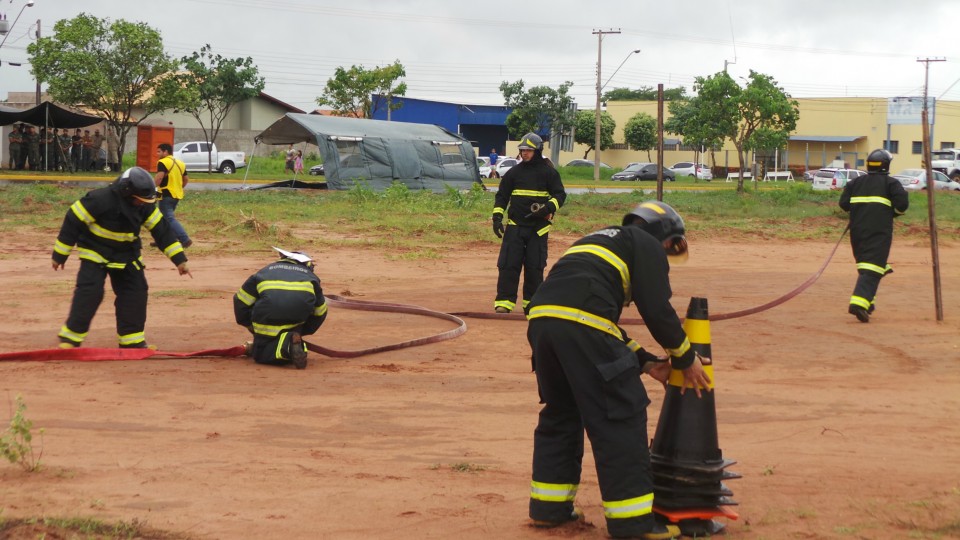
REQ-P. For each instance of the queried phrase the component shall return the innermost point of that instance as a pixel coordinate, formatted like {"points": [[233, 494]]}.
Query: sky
{"points": [[461, 52]]}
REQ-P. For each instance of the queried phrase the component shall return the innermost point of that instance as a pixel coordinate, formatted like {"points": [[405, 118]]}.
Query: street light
{"points": [[596, 140], [629, 54], [6, 31]]}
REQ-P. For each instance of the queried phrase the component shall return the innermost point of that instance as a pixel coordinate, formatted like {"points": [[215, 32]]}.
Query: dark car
{"points": [[317, 170], [644, 171], [586, 163]]}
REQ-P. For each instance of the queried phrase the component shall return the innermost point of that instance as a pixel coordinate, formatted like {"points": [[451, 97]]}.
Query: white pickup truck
{"points": [[947, 161], [194, 155]]}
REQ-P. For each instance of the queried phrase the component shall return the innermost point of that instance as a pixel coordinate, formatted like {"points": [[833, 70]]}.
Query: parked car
{"points": [[316, 170], [644, 171], [585, 163], [686, 168], [808, 175], [504, 164], [199, 155], [916, 180], [831, 178], [483, 164]]}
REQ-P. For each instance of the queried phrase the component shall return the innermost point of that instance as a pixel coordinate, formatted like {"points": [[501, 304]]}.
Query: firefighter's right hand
{"points": [[498, 227], [57, 266], [182, 268], [695, 377]]}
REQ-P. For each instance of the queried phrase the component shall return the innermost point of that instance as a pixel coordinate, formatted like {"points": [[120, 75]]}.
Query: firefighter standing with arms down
{"points": [[534, 192], [588, 369], [105, 226], [279, 304], [873, 201]]}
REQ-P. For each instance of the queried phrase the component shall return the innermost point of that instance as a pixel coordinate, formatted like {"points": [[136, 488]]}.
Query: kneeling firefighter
{"points": [[588, 369], [279, 304]]}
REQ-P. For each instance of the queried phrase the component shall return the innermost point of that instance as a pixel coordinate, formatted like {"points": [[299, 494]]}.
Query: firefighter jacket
{"points": [[173, 179], [528, 182], [105, 228], [281, 296], [604, 271], [873, 201]]}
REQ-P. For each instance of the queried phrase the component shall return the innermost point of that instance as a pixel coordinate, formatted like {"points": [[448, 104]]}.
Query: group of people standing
{"points": [[40, 149]]}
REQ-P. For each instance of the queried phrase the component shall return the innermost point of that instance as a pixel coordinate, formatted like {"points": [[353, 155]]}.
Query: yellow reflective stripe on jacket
{"points": [[529, 193], [153, 219], [609, 257], [880, 200], [111, 235], [498, 210], [543, 491], [681, 350], [304, 286], [544, 230], [633, 345], [81, 212], [245, 297], [62, 248], [132, 339], [271, 329], [91, 255], [173, 249], [580, 316], [628, 508], [872, 268], [556, 204], [321, 310]]}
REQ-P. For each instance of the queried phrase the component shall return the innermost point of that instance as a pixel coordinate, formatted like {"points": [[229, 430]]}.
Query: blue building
{"points": [[483, 125]]}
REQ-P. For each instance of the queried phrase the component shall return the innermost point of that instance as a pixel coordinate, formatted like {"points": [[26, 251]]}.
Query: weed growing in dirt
{"points": [[467, 467], [16, 443]]}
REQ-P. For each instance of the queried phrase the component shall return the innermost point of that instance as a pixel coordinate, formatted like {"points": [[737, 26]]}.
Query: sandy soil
{"points": [[840, 429]]}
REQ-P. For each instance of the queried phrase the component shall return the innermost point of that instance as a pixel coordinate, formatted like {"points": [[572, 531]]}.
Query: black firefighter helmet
{"points": [[879, 161], [137, 183], [663, 223]]}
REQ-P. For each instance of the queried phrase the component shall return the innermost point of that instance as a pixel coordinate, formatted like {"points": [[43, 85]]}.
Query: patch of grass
{"points": [[467, 467], [16, 442]]}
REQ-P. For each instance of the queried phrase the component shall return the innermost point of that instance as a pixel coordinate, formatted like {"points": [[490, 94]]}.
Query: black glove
{"points": [[498, 226]]}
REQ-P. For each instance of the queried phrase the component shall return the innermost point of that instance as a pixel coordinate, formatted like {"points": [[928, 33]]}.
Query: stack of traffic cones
{"points": [[688, 466]]}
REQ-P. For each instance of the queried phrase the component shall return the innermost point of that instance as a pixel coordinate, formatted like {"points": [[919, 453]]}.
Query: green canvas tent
{"points": [[378, 153]]}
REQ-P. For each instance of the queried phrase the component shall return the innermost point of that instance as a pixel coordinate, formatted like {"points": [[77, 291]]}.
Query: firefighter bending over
{"points": [[588, 370], [105, 226], [535, 192], [279, 304], [873, 201]]}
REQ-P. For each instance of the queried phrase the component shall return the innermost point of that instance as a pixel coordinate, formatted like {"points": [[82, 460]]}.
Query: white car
{"points": [[686, 168], [916, 180], [830, 178], [504, 164], [484, 165]]}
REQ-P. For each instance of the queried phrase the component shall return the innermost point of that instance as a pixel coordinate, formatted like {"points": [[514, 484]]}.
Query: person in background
{"points": [[279, 304], [104, 225], [171, 179], [588, 369], [494, 158], [113, 150], [298, 163], [289, 157], [872, 201], [15, 140]]}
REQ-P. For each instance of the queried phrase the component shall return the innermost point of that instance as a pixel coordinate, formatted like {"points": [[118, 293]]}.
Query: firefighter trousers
{"points": [[523, 250], [130, 287], [272, 350], [589, 380]]}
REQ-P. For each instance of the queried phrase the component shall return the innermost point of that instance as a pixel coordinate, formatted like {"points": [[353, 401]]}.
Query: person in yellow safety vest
{"points": [[171, 179], [104, 225], [588, 369], [873, 201], [279, 304]]}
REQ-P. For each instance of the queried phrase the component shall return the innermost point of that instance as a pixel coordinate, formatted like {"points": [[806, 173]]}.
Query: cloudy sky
{"points": [[461, 51]]}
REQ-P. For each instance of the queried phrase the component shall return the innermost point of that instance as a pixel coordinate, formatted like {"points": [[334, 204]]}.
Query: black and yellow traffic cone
{"points": [[687, 463]]}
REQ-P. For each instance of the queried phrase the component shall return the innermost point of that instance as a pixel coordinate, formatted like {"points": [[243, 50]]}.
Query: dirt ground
{"points": [[840, 429]]}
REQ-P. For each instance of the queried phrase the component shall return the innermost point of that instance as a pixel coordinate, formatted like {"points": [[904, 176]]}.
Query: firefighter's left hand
{"points": [[182, 268], [660, 371], [695, 377], [57, 266]]}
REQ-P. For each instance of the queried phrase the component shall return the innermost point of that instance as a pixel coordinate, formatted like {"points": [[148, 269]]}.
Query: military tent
{"points": [[47, 114], [378, 153]]}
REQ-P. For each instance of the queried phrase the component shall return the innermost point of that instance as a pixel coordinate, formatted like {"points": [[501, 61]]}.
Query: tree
{"points": [[107, 67], [690, 120], [538, 110], [640, 132], [767, 116], [350, 91], [586, 130], [644, 93], [211, 86]]}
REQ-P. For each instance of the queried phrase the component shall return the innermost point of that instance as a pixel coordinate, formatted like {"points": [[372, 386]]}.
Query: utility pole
{"points": [[931, 187], [38, 79], [596, 139]]}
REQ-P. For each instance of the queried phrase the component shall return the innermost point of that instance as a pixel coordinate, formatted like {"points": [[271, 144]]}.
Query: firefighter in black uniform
{"points": [[279, 304], [104, 226], [534, 192], [873, 201], [588, 370]]}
